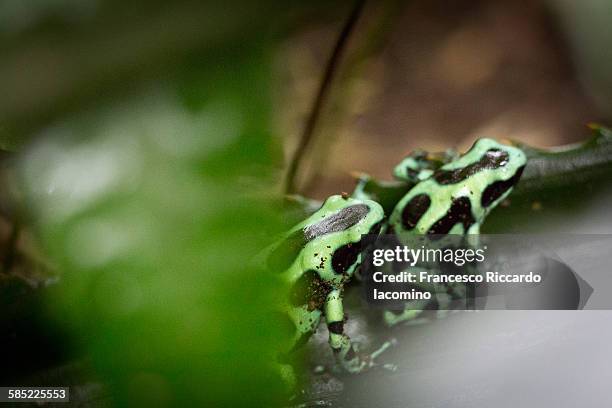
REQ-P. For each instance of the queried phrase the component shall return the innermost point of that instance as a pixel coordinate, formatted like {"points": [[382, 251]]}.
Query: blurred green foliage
{"points": [[152, 180], [62, 56], [153, 218]]}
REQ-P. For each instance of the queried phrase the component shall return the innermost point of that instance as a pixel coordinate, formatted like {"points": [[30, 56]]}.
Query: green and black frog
{"points": [[457, 196], [454, 199], [451, 195], [317, 258]]}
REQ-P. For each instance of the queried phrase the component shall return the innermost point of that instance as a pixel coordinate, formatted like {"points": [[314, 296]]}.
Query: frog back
{"points": [[457, 197]]}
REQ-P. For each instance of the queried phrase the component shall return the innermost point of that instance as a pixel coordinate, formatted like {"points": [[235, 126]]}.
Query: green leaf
{"points": [[152, 208]]}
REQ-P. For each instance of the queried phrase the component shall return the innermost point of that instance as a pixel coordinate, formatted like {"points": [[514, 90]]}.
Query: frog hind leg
{"points": [[414, 311], [410, 313], [345, 350]]}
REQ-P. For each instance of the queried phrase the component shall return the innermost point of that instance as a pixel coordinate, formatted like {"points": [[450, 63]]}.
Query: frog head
{"points": [[420, 165]]}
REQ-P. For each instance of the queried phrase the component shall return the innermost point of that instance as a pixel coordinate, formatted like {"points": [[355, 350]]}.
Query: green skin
{"points": [[324, 262], [420, 165], [473, 187]]}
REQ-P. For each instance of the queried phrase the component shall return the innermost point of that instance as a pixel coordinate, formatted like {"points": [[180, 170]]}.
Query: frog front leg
{"points": [[345, 350]]}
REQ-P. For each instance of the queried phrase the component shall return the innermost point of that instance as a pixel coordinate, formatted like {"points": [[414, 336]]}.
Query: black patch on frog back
{"points": [[310, 289], [491, 160], [459, 212], [339, 221], [414, 210], [284, 255], [345, 256], [498, 188], [336, 327]]}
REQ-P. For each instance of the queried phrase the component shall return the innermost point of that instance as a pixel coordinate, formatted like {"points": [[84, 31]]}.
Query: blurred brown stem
{"points": [[318, 103]]}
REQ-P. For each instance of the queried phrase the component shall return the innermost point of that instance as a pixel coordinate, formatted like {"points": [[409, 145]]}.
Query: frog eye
{"points": [[411, 173], [495, 158]]}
